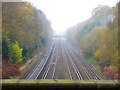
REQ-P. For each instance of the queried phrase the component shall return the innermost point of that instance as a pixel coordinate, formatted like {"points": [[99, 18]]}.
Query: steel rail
{"points": [[89, 68], [48, 67], [67, 65], [82, 67], [55, 61], [74, 66], [41, 65]]}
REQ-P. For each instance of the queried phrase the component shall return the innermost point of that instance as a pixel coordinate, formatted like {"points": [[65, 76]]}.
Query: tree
{"points": [[90, 42], [108, 51], [24, 23], [6, 48], [17, 53]]}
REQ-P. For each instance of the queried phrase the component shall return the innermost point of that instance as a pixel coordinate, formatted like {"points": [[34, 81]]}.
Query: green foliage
{"points": [[90, 42], [17, 53], [98, 19], [98, 36], [23, 23], [108, 50], [6, 48]]}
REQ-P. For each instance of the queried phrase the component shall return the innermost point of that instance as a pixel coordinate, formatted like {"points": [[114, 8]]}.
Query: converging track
{"points": [[61, 61]]}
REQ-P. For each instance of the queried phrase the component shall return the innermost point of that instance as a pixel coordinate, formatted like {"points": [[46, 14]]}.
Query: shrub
{"points": [[9, 70], [17, 53], [112, 72]]}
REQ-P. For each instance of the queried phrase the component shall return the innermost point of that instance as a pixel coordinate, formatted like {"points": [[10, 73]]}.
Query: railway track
{"points": [[75, 74], [49, 72], [39, 68], [77, 68], [86, 68]]}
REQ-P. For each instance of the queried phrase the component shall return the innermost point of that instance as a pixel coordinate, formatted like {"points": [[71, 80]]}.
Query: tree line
{"points": [[98, 36], [25, 29]]}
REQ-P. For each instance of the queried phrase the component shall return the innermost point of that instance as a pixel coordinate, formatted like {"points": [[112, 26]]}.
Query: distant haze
{"points": [[66, 13]]}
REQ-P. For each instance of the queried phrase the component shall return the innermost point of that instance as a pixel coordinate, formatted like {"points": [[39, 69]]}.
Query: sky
{"points": [[64, 14]]}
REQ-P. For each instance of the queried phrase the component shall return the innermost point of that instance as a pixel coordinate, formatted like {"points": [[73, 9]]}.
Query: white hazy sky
{"points": [[66, 13]]}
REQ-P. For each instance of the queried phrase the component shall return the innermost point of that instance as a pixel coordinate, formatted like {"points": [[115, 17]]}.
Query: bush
{"points": [[9, 70], [6, 48], [112, 72], [17, 53]]}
